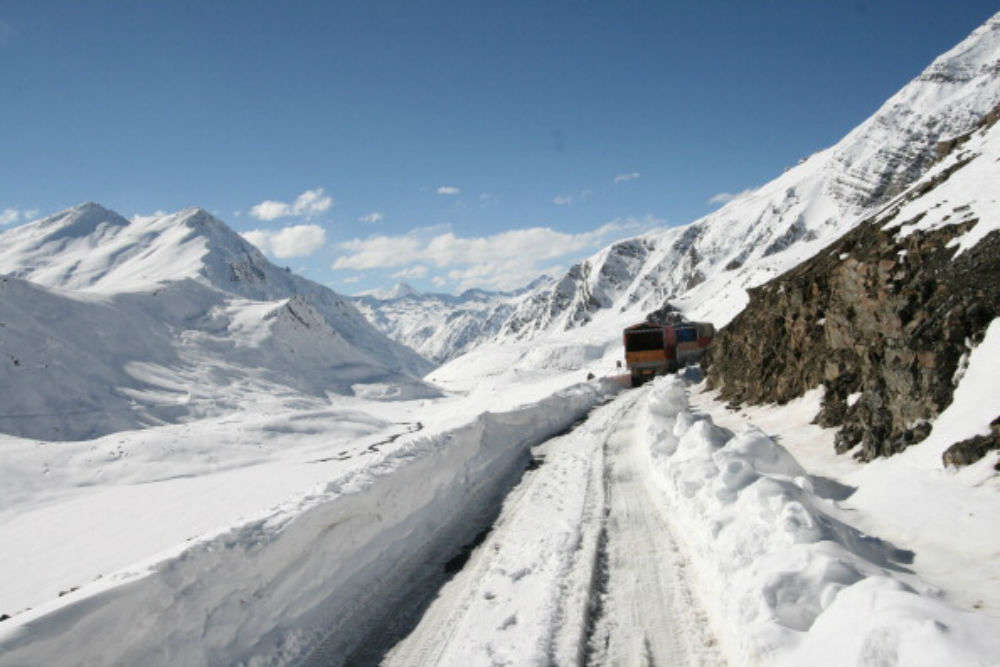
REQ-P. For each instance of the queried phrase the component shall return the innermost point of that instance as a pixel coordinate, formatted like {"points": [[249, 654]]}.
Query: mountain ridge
{"points": [[230, 326]]}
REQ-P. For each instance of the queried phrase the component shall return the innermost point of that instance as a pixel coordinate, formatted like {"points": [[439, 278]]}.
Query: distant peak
{"points": [[89, 207], [401, 289], [195, 214], [86, 215], [543, 279], [397, 291]]}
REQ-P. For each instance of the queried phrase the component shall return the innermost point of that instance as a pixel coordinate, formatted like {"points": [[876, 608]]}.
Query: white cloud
{"points": [[258, 238], [567, 200], [293, 241], [439, 281], [621, 178], [312, 202], [373, 217], [237, 214], [270, 210], [307, 204], [502, 260], [418, 271], [352, 279], [448, 190], [725, 197], [9, 216], [141, 218]]}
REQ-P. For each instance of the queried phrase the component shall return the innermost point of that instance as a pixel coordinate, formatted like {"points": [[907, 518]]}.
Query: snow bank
{"points": [[325, 568], [788, 582]]}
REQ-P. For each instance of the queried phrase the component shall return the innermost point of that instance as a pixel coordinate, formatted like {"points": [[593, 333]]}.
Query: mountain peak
{"points": [[90, 207], [91, 247], [76, 222], [402, 289], [398, 291]]}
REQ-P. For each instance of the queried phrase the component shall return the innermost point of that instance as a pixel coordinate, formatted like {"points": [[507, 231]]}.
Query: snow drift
{"points": [[791, 582]]}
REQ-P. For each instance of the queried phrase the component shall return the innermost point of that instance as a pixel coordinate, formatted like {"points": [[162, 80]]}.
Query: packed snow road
{"points": [[581, 567]]}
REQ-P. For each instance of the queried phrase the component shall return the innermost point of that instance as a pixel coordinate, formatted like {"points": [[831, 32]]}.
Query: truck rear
{"points": [[649, 351], [654, 349]]}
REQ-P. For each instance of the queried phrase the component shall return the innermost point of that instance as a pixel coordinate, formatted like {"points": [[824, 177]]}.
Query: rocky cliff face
{"points": [[885, 316]]}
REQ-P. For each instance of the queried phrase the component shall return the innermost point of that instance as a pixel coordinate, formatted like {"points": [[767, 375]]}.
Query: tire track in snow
{"points": [[450, 630], [645, 610], [580, 568], [439, 574]]}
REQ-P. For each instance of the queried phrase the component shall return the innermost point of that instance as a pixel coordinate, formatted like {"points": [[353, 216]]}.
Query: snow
{"points": [[579, 568], [789, 577], [234, 467], [946, 517], [974, 405], [185, 320], [442, 326], [966, 197], [313, 571]]}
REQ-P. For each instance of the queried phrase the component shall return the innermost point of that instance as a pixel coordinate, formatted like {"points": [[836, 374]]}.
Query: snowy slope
{"points": [[111, 324], [442, 326], [706, 266]]}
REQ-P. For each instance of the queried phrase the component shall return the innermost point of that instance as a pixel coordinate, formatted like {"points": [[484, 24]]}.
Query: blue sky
{"points": [[420, 139]]}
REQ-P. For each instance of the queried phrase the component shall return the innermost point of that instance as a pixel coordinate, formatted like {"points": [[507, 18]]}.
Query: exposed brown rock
{"points": [[865, 316], [889, 319], [971, 450]]}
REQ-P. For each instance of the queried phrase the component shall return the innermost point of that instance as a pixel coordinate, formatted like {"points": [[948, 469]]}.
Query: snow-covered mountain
{"points": [[109, 323], [707, 265], [443, 326]]}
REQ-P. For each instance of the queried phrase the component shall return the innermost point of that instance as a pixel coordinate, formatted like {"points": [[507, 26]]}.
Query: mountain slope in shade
{"points": [[442, 326], [111, 324]]}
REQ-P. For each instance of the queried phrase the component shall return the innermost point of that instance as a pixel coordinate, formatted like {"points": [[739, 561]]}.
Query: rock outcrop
{"points": [[883, 318]]}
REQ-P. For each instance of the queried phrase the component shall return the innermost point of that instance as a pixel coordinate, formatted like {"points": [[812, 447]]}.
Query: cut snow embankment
{"points": [[325, 568], [786, 581]]}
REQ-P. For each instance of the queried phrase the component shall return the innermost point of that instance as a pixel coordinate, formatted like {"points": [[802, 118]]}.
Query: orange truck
{"points": [[654, 349]]}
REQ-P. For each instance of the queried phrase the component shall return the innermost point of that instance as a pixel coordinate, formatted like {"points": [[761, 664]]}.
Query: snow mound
{"points": [[788, 578], [320, 571]]}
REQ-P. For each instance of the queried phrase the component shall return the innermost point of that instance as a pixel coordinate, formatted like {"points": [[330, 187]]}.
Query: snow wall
{"points": [[322, 570]]}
